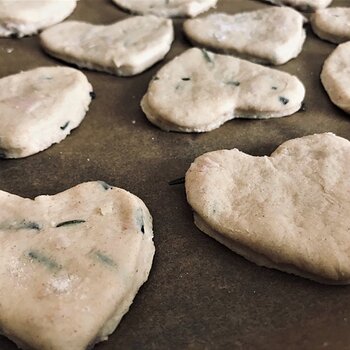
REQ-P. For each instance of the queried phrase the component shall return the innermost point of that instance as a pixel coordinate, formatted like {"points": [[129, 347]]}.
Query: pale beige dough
{"points": [[289, 211], [40, 107], [273, 35], [124, 48], [71, 264], [27, 17], [332, 24], [335, 76], [199, 91], [167, 8], [305, 5]]}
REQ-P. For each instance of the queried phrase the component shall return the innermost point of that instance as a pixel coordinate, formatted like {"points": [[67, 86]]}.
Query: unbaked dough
{"points": [[199, 91], [124, 48], [273, 35], [26, 17], [71, 264], [289, 211], [40, 107]]}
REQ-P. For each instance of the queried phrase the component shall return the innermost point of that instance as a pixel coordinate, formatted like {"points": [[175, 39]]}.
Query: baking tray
{"points": [[199, 294]]}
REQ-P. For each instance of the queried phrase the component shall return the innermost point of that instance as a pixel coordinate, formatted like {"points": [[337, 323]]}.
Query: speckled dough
{"points": [[167, 8], [273, 35], [335, 76], [332, 24], [71, 264], [289, 211], [306, 5], [199, 91], [40, 107], [24, 17], [124, 48]]}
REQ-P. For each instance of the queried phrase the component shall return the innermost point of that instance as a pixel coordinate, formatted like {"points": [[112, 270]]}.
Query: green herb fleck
{"points": [[105, 185], [206, 56], [274, 87], [104, 258], [40, 258], [70, 222], [64, 127], [185, 79], [92, 95], [155, 78], [23, 225], [233, 82], [139, 220], [283, 100]]}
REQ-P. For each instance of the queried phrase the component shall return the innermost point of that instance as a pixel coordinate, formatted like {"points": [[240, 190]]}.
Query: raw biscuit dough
{"points": [[332, 24], [40, 107], [335, 76], [199, 91], [27, 17], [305, 5], [166, 8], [124, 48], [289, 211], [71, 264], [272, 35]]}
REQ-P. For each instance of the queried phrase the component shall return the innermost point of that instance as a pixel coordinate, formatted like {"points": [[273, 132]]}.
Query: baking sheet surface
{"points": [[199, 295]]}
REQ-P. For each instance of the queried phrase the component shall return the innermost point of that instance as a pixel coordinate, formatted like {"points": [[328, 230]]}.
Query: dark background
{"points": [[199, 294]]}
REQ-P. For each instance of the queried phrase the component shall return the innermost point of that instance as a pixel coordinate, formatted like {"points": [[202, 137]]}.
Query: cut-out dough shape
{"points": [[304, 5], [125, 48], [332, 24], [40, 107], [273, 35], [199, 91], [26, 17], [289, 211], [71, 264], [335, 76], [166, 8]]}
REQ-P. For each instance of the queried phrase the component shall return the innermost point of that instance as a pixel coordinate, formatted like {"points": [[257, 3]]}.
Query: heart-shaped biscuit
{"points": [[199, 91], [305, 5], [27, 17], [71, 264], [255, 35], [166, 8], [124, 48], [40, 107], [289, 211]]}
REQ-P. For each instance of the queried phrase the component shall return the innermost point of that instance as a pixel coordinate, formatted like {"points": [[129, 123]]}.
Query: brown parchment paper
{"points": [[199, 294]]}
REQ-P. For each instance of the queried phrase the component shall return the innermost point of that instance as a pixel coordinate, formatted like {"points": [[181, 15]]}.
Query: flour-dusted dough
{"points": [[332, 24], [199, 91], [335, 76], [273, 35], [167, 8], [124, 48], [71, 264], [305, 5], [27, 17], [40, 107], [289, 211]]}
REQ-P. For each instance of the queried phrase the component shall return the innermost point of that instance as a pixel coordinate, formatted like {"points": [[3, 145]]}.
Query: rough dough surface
{"points": [[335, 76], [27, 17], [305, 5], [124, 48], [166, 8], [40, 107], [273, 35], [332, 24], [289, 211], [71, 264], [199, 91]]}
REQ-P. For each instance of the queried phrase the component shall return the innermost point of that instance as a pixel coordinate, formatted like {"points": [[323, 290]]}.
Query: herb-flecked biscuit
{"points": [[71, 264], [167, 8], [124, 48], [272, 35], [305, 5], [332, 24], [335, 76], [289, 211], [27, 17], [199, 91], [40, 107]]}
